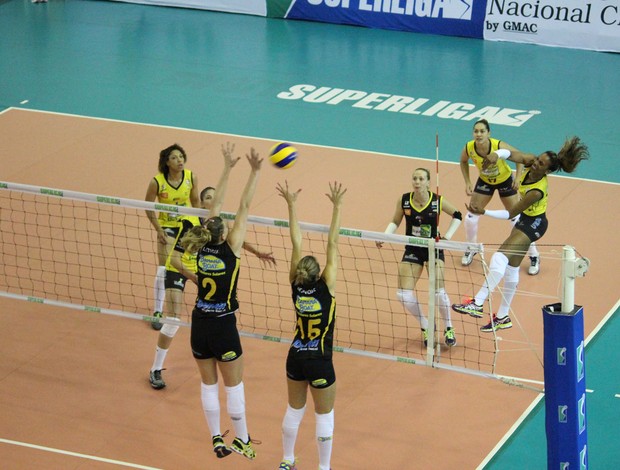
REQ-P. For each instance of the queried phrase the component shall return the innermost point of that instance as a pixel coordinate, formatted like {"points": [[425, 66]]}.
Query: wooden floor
{"points": [[78, 382]]}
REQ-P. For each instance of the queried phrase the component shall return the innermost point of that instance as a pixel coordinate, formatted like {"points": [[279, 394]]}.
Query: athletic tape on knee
{"points": [[325, 425], [235, 400], [512, 274], [443, 302], [209, 395], [170, 330], [409, 300], [292, 417]]}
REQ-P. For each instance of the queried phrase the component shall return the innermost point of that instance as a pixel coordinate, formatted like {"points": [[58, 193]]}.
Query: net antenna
{"points": [[437, 181]]}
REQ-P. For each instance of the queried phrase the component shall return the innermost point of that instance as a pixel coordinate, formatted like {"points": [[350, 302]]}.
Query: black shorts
{"points": [[171, 231], [504, 189], [533, 227], [317, 371], [215, 337], [175, 280], [419, 255]]}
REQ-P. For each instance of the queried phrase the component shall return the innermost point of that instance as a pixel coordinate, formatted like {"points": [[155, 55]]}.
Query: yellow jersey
{"points": [[494, 174], [188, 259], [174, 196], [540, 206]]}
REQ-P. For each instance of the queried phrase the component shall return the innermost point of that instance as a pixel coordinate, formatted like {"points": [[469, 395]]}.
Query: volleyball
{"points": [[283, 155]]}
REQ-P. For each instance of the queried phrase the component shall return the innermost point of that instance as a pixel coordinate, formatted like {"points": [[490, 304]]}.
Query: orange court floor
{"points": [[74, 391]]}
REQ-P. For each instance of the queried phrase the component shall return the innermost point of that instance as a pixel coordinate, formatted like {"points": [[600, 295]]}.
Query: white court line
{"points": [[371, 152], [75, 454]]}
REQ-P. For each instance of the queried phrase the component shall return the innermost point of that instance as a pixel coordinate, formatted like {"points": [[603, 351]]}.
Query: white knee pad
{"points": [[292, 417], [170, 330], [512, 274], [325, 425], [235, 400]]}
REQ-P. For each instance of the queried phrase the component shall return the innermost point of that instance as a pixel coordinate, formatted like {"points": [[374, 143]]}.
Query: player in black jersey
{"points": [[215, 339], [421, 209], [309, 361], [181, 266]]}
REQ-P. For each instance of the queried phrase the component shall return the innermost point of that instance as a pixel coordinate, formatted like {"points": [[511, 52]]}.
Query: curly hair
{"points": [[572, 152], [165, 154]]}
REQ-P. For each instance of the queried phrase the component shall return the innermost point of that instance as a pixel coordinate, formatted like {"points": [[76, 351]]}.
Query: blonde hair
{"points": [[197, 237], [307, 271]]}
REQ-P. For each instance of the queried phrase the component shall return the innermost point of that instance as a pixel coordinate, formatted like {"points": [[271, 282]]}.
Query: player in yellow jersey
{"points": [[531, 226], [492, 177], [174, 185]]}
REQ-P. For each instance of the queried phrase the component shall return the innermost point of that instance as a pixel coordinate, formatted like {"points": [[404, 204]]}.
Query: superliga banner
{"points": [[448, 17], [577, 24]]}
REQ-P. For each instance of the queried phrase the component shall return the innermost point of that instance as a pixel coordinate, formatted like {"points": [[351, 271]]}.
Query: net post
{"points": [[564, 372], [568, 280]]}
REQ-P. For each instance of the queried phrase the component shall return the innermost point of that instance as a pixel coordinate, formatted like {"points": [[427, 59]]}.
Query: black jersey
{"points": [[421, 223], [315, 309], [218, 273]]}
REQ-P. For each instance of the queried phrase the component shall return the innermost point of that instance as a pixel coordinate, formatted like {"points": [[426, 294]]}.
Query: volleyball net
{"points": [[98, 254]]}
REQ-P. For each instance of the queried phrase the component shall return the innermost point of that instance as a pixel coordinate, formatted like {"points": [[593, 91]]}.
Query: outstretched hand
{"points": [[254, 160], [288, 196], [336, 193], [227, 152]]}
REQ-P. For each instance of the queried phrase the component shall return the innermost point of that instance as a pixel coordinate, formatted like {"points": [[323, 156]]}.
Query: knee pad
{"points": [[235, 399], [406, 296], [512, 274], [325, 425], [293, 417], [170, 330]]}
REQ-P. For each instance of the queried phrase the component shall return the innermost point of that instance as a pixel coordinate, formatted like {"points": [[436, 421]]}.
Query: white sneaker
{"points": [[467, 258], [534, 265]]}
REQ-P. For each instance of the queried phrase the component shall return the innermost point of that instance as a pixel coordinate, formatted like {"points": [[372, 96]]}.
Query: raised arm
{"points": [[293, 223], [236, 235], [331, 265], [222, 184]]}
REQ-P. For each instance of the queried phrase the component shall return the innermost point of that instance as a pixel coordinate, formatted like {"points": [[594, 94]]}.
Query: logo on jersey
{"points": [[211, 263], [307, 305]]}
